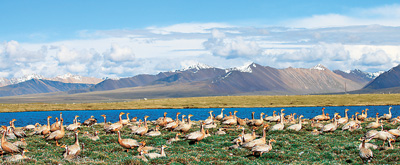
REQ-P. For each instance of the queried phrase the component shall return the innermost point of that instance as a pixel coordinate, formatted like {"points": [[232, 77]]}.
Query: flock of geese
{"points": [[256, 144]]}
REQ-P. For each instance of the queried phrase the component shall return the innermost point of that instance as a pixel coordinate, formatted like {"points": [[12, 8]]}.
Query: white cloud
{"points": [[236, 47], [187, 28], [119, 54], [388, 15]]}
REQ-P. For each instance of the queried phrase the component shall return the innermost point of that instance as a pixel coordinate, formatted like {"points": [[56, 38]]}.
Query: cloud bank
{"points": [[366, 39]]}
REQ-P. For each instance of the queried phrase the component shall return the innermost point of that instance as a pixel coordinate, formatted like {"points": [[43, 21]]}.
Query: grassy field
{"points": [[217, 102], [291, 147]]}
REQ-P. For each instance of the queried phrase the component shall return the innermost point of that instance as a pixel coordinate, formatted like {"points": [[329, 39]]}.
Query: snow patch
{"points": [[26, 78], [197, 66], [319, 67], [244, 68]]}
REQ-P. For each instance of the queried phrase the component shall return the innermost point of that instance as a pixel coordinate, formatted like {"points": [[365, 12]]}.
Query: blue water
{"points": [[25, 118]]}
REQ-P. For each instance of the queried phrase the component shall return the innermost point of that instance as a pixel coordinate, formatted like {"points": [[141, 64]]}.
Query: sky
{"points": [[98, 38]]}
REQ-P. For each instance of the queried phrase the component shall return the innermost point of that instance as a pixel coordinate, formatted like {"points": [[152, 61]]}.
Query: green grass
{"points": [[216, 102], [291, 147]]}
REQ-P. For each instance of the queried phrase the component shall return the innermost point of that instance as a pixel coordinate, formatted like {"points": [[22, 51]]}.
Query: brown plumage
{"points": [[387, 116], [56, 125], [142, 130], [262, 148], [89, 122], [344, 119], [365, 153], [58, 134], [127, 143], [375, 124], [7, 146], [185, 127], [261, 140], [173, 125], [198, 135], [73, 150], [363, 115], [220, 116]]}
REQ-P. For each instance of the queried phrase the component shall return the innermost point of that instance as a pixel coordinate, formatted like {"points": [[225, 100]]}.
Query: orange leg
{"points": [[57, 143]]}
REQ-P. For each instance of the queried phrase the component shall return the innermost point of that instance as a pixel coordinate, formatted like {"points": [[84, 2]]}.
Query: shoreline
{"points": [[217, 102]]}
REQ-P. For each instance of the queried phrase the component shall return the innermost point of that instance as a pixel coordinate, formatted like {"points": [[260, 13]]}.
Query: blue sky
{"points": [[126, 38]]}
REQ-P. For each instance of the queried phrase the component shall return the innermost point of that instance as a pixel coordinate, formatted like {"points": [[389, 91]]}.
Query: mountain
{"points": [[4, 82], [67, 78], [389, 79], [356, 75], [198, 72], [260, 79], [201, 80], [34, 86]]}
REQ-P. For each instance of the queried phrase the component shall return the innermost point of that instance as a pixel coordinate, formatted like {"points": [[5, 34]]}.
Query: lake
{"points": [[25, 118]]}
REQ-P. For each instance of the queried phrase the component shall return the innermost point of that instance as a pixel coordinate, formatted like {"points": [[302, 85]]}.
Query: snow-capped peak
{"points": [[244, 68], [375, 74], [319, 67], [69, 75], [198, 66], [26, 78]]}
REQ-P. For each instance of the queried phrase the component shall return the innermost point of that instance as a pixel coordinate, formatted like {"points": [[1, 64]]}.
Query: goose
{"points": [[21, 143], [19, 132], [220, 132], [18, 157], [7, 146], [198, 135], [250, 122], [237, 144], [220, 116], [232, 120], [58, 134], [30, 127], [228, 117], [127, 120], [155, 132], [127, 143], [331, 127], [315, 132], [261, 140], [277, 118], [269, 118], [344, 119], [113, 127], [45, 129], [75, 125], [89, 122], [262, 148], [258, 122], [174, 139], [383, 135], [351, 123], [142, 130], [73, 150], [316, 124], [56, 125], [365, 153], [280, 125], [94, 137], [173, 125], [157, 155], [387, 116], [320, 117], [210, 119], [363, 115], [375, 124], [185, 127], [162, 121], [296, 127]]}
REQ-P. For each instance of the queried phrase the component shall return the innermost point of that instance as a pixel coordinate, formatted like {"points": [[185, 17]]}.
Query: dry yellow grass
{"points": [[218, 102]]}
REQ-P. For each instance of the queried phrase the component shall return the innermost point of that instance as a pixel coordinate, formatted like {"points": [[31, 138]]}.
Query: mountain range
{"points": [[204, 80]]}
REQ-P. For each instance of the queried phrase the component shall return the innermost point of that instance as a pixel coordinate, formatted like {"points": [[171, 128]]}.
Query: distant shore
{"points": [[217, 102]]}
